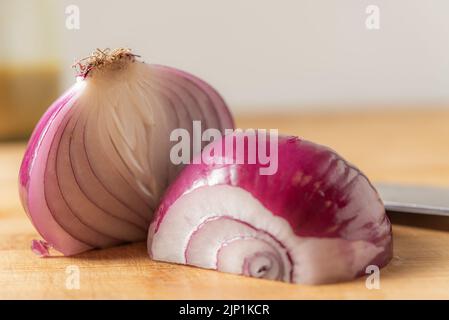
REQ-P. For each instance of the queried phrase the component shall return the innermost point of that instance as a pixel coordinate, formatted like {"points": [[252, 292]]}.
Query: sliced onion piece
{"points": [[317, 219], [98, 161]]}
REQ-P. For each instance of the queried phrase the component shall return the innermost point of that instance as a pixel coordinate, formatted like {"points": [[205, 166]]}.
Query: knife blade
{"points": [[426, 200]]}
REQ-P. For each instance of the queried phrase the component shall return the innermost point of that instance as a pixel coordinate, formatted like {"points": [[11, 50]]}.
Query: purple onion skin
{"points": [[305, 206], [35, 140], [225, 114]]}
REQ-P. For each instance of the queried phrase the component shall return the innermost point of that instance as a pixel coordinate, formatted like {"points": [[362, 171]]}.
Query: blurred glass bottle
{"points": [[29, 68]]}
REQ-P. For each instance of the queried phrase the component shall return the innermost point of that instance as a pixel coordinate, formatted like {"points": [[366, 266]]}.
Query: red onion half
{"points": [[317, 219], [98, 160]]}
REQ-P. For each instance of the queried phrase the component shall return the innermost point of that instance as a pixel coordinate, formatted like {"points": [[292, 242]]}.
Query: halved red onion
{"points": [[98, 160], [317, 219]]}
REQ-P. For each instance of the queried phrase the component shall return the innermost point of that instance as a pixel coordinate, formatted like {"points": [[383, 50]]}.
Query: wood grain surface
{"points": [[402, 146]]}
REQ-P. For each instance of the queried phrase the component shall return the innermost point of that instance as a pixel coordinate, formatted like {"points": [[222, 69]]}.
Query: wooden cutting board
{"points": [[402, 146]]}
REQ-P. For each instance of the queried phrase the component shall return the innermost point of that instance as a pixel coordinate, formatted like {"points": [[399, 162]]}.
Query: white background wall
{"points": [[275, 56]]}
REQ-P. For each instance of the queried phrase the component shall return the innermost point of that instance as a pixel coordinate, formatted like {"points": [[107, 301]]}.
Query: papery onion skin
{"points": [[319, 214], [120, 118]]}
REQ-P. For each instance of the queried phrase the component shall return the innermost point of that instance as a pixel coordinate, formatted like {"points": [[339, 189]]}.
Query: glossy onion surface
{"points": [[318, 219]]}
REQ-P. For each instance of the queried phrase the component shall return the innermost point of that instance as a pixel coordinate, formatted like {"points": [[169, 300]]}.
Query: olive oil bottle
{"points": [[29, 68], [25, 93]]}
